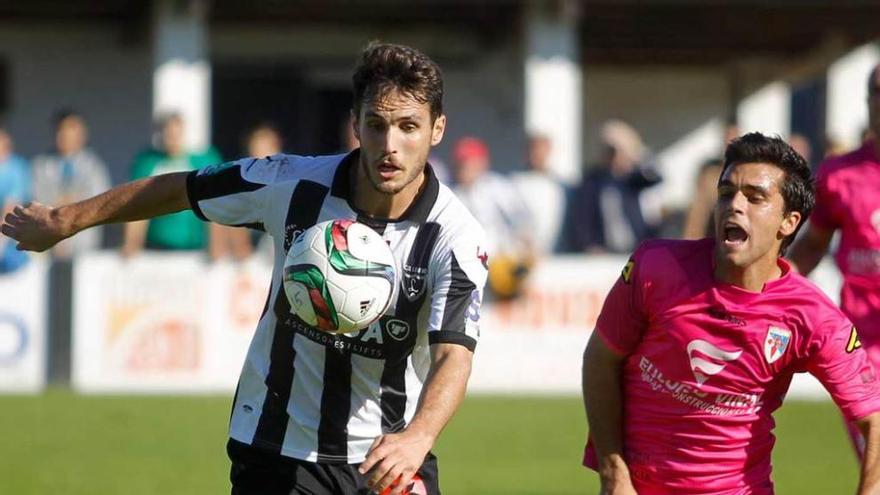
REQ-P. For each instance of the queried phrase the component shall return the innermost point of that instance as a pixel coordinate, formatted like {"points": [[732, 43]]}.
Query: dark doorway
{"points": [[309, 116]]}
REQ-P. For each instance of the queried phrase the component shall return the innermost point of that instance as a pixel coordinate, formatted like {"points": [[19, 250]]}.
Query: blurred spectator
{"points": [[14, 190], [834, 147], [70, 173], [178, 231], [699, 221], [605, 213], [543, 194], [263, 140], [495, 203]]}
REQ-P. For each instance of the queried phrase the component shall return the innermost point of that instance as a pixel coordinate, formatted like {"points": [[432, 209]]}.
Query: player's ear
{"points": [[438, 129], [790, 222], [354, 124]]}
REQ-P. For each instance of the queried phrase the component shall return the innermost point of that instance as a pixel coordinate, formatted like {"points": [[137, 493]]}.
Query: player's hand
{"points": [[35, 226], [394, 458]]}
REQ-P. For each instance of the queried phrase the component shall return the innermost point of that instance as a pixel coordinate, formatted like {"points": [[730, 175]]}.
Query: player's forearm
{"points": [[443, 392], [870, 475], [137, 200], [603, 404]]}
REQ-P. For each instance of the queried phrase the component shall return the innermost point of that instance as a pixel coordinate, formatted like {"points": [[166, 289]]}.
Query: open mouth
{"points": [[734, 235], [387, 169]]}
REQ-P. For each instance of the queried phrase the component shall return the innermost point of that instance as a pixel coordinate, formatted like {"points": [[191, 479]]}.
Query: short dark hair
{"points": [[63, 114], [385, 67], [798, 187]]}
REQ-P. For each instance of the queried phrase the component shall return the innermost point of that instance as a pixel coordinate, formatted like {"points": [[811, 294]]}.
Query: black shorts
{"points": [[258, 472]]}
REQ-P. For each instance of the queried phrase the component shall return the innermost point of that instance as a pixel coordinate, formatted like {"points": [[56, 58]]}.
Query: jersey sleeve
{"points": [[824, 214], [233, 193], [841, 365], [458, 283], [623, 318]]}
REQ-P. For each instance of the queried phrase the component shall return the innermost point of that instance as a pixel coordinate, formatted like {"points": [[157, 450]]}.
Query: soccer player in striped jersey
{"points": [[316, 412], [697, 343]]}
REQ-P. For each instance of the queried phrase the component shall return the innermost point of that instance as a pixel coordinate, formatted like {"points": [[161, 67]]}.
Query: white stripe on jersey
{"points": [[336, 394]]}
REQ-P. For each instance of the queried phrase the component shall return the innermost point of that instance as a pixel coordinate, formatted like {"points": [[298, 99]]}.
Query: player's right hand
{"points": [[35, 226]]}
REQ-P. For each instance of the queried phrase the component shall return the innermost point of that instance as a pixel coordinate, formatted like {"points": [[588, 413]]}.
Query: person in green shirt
{"points": [[177, 231]]}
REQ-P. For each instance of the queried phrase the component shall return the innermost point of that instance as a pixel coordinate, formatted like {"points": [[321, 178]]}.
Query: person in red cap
{"points": [[496, 204]]}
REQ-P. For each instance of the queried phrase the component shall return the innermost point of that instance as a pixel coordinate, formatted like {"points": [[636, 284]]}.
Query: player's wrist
{"points": [[613, 470], [63, 222]]}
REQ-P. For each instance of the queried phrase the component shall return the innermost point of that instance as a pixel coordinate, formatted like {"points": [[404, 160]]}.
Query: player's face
{"points": [[750, 218], [396, 133]]}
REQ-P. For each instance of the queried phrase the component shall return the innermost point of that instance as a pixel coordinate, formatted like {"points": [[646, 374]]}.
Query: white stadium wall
{"points": [[90, 67]]}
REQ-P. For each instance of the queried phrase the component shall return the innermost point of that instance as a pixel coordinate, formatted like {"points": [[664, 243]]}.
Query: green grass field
{"points": [[61, 443]]}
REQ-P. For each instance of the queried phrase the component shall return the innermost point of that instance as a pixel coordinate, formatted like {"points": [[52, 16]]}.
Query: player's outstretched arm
{"points": [[870, 476], [38, 227], [603, 403], [397, 456], [809, 248]]}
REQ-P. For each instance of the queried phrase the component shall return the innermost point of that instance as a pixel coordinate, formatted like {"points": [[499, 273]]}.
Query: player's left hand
{"points": [[394, 458], [36, 227]]}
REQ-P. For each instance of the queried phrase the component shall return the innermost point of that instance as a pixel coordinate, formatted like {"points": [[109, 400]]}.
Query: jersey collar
{"points": [[417, 212]]}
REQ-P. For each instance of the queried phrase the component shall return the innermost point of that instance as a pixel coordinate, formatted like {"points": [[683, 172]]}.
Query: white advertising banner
{"points": [[163, 322], [23, 328]]}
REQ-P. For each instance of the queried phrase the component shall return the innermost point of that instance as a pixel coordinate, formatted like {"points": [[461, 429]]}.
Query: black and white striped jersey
{"points": [[322, 397]]}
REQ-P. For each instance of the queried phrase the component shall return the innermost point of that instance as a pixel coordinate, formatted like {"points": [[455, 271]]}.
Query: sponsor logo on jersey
{"points": [[707, 360], [853, 342], [397, 329], [719, 313], [483, 257], [776, 343], [413, 281], [626, 273]]}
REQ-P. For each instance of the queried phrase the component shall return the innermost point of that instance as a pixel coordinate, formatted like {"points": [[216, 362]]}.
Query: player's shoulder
{"points": [[455, 220], [809, 298], [670, 263], [836, 165], [284, 168]]}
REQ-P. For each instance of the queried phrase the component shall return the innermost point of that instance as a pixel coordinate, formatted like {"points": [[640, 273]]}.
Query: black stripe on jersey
{"points": [[223, 183], [441, 337], [302, 212], [255, 226], [335, 406], [392, 397], [458, 298]]}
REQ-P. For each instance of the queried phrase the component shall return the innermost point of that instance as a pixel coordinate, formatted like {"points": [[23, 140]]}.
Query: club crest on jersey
{"points": [[776, 343], [413, 281]]}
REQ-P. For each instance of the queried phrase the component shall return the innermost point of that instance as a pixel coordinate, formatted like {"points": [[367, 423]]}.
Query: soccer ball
{"points": [[339, 276]]}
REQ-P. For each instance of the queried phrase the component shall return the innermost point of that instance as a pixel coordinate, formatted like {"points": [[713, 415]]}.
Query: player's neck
{"points": [[383, 205], [752, 277]]}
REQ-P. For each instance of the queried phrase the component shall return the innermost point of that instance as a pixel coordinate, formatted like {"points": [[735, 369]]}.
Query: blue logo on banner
{"points": [[12, 323]]}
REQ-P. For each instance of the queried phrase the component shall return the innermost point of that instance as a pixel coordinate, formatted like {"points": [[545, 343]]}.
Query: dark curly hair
{"points": [[798, 188], [385, 67]]}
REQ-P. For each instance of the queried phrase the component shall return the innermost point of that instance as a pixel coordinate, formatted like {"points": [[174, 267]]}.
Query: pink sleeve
{"points": [[823, 215], [622, 320], [840, 363]]}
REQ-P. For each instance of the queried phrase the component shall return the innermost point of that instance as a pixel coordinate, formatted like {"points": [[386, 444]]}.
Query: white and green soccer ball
{"points": [[339, 276]]}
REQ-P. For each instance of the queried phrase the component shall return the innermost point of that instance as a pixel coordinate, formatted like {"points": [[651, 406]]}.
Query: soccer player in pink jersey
{"points": [[697, 343], [847, 200]]}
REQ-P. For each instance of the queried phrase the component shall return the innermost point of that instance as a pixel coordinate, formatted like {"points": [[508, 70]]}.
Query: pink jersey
{"points": [[708, 363], [848, 198]]}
